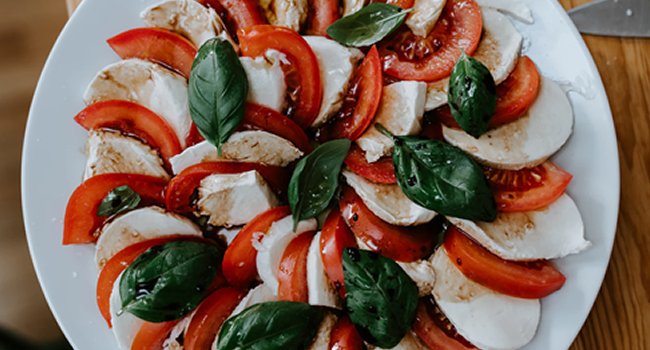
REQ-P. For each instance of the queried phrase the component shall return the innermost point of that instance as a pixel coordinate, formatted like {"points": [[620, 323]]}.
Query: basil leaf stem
{"points": [[119, 200], [368, 26]]}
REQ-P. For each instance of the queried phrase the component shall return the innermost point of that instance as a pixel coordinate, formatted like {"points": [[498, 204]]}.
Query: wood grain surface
{"points": [[620, 319]]}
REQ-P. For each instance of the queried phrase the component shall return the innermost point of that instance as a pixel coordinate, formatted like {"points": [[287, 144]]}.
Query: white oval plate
{"points": [[53, 162]]}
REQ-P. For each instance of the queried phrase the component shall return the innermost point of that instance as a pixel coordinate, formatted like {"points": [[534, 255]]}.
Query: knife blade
{"points": [[626, 18]]}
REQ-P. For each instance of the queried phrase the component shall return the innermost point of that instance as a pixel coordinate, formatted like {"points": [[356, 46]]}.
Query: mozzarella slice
{"points": [[266, 83], [388, 202], [336, 63], [324, 333], [159, 89], [352, 6], [422, 273], [485, 318], [514, 8], [286, 13], [527, 141], [137, 226], [425, 16], [245, 146], [400, 111], [177, 334], [321, 291], [260, 294], [272, 246], [551, 233], [111, 152], [235, 199], [126, 325], [500, 45], [187, 18], [437, 94]]}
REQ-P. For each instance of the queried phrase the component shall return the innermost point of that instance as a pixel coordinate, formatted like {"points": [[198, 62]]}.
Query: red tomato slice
{"points": [[530, 280], [239, 261], [158, 45], [151, 336], [322, 14], [262, 118], [344, 336], [360, 103], [435, 330], [209, 316], [409, 57], [243, 13], [292, 276], [405, 244], [180, 189], [514, 96], [134, 119], [382, 171], [302, 74], [81, 221], [335, 236], [528, 189], [405, 4]]}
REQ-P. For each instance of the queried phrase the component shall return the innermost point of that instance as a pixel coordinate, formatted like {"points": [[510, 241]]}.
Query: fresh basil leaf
{"points": [[315, 180], [472, 95], [442, 178], [280, 325], [217, 91], [382, 299], [118, 200], [168, 281], [368, 26]]}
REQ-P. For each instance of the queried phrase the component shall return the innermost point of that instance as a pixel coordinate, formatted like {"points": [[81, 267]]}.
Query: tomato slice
{"points": [[435, 330], [262, 118], [180, 189], [405, 4], [302, 74], [239, 261], [527, 189], [81, 221], [514, 96], [335, 236], [409, 57], [209, 316], [159, 45], [382, 171], [134, 119], [360, 103], [151, 336], [242, 13], [530, 280], [405, 244], [322, 14], [344, 336], [292, 275]]}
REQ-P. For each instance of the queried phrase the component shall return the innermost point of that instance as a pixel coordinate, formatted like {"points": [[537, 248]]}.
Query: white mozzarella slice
{"points": [[245, 146], [437, 94], [527, 141], [321, 291], [187, 18], [260, 294], [324, 333], [235, 199], [266, 83], [551, 233], [500, 45], [286, 13], [400, 111], [425, 16], [485, 318], [352, 6], [227, 235], [177, 334], [422, 273], [410, 342], [148, 84], [111, 152], [126, 325], [272, 246], [336, 63], [388, 202], [137, 226], [514, 8]]}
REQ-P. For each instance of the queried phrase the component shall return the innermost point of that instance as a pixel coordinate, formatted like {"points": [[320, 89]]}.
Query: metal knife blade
{"points": [[627, 18]]}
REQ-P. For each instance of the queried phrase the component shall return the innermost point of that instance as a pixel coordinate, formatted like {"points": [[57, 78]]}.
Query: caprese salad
{"points": [[324, 174]]}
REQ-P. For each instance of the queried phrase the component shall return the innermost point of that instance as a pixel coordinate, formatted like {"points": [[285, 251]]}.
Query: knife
{"points": [[627, 18]]}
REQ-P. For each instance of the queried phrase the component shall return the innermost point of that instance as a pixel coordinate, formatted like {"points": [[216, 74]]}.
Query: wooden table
{"points": [[620, 319]]}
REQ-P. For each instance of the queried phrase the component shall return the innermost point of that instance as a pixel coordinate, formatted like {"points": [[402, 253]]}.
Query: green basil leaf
{"points": [[119, 200], [280, 325], [217, 91], [442, 178], [368, 26], [315, 180], [472, 95], [169, 281], [382, 299]]}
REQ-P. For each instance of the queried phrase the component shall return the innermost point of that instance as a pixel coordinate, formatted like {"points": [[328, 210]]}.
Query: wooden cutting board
{"points": [[620, 319]]}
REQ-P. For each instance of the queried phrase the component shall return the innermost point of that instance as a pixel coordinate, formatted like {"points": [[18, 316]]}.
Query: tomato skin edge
{"points": [[292, 275], [335, 236]]}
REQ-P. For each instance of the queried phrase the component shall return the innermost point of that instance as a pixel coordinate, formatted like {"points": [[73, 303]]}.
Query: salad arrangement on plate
{"points": [[293, 174]]}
